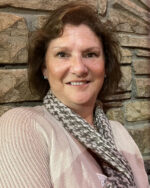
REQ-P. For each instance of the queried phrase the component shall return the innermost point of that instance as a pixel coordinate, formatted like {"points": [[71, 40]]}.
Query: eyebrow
{"points": [[92, 48]]}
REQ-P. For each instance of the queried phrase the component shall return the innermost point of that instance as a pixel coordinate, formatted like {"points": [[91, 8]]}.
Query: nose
{"points": [[78, 67]]}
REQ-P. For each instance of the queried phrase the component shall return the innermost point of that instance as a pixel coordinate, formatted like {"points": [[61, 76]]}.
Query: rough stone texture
{"points": [[134, 41], [146, 2], [119, 97], [133, 8], [137, 111], [14, 86], [38, 4], [38, 21], [142, 53], [13, 39], [102, 6], [141, 136], [126, 60], [126, 79], [113, 104], [41, 19], [143, 87], [126, 56], [116, 114], [126, 52], [4, 108], [141, 66], [123, 21], [146, 157]]}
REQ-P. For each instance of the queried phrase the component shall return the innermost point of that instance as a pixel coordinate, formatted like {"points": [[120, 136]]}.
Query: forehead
{"points": [[69, 29], [74, 35]]}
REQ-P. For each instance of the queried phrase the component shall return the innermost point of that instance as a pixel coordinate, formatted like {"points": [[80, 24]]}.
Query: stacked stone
{"points": [[18, 19]]}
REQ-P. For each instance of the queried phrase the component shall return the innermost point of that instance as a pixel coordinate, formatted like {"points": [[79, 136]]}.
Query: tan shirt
{"points": [[37, 152]]}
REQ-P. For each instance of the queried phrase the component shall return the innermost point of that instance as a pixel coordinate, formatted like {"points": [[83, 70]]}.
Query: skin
{"points": [[75, 69]]}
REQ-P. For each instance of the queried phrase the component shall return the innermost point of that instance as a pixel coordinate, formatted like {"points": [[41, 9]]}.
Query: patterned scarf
{"points": [[99, 140]]}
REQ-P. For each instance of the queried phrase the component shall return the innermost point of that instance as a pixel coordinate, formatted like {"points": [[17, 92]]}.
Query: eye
{"points": [[90, 54], [62, 54]]}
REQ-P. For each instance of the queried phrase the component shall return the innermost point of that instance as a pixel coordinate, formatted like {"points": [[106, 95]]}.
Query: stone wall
{"points": [[18, 19]]}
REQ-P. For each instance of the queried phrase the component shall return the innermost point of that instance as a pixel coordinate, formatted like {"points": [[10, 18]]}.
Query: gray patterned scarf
{"points": [[99, 140]]}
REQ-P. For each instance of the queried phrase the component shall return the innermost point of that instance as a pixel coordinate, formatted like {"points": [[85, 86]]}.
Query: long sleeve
{"points": [[24, 159]]}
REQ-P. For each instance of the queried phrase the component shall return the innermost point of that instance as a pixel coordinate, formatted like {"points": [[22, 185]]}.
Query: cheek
{"points": [[98, 70], [56, 71]]}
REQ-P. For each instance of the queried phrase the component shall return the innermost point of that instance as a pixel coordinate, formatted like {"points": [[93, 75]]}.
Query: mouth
{"points": [[78, 83]]}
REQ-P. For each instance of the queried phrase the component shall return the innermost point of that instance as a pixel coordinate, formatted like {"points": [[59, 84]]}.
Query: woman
{"points": [[68, 141]]}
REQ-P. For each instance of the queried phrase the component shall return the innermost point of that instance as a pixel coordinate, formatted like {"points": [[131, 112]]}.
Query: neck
{"points": [[86, 112]]}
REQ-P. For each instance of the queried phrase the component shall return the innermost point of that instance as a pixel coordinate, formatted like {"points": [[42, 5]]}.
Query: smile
{"points": [[78, 83]]}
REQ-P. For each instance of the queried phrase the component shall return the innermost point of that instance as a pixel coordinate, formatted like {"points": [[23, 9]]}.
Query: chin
{"points": [[82, 100]]}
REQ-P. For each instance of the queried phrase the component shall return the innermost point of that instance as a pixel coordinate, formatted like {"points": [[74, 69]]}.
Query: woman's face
{"points": [[75, 66]]}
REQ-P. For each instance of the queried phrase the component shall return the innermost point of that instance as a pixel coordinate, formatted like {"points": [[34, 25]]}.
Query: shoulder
{"points": [[28, 123], [20, 115], [18, 127], [118, 129], [123, 139], [22, 111], [20, 121]]}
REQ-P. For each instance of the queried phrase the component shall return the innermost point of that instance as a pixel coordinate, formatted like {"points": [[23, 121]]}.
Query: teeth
{"points": [[77, 83]]}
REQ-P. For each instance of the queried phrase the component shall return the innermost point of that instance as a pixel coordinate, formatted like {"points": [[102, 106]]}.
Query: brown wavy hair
{"points": [[74, 13]]}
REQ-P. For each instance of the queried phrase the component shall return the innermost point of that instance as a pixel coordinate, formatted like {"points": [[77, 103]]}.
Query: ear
{"points": [[44, 71]]}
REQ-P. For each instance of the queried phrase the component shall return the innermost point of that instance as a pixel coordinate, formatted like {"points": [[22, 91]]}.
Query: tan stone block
{"points": [[126, 60], [137, 110], [146, 2], [146, 157], [119, 97], [107, 105], [13, 39], [126, 79], [4, 56], [126, 56], [38, 4], [142, 53], [14, 86], [4, 108], [126, 27], [116, 114], [102, 6], [142, 87], [134, 41], [133, 8], [141, 66], [125, 22], [126, 52], [141, 135], [9, 22], [41, 19]]}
